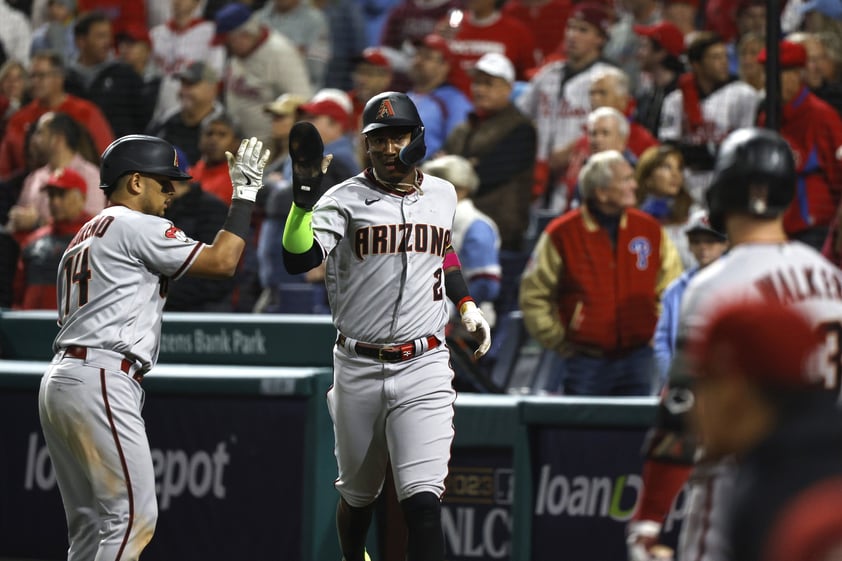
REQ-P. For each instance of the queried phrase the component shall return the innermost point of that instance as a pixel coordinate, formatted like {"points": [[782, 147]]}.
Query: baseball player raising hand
{"points": [[385, 238], [112, 285]]}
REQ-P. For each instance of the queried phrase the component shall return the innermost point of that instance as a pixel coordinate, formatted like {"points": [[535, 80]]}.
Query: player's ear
{"points": [[133, 183]]}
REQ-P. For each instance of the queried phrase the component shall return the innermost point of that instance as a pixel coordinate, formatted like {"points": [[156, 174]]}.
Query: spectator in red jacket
{"points": [[592, 287], [46, 74], [35, 288], [814, 131]]}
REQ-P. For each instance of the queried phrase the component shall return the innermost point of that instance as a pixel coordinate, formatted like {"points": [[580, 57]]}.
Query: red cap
{"points": [[436, 42], [327, 107], [598, 15], [761, 341], [66, 178], [666, 34], [792, 55], [375, 56]]}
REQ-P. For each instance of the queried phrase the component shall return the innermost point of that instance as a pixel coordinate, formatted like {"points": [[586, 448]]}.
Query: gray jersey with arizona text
{"points": [[112, 282], [384, 252]]}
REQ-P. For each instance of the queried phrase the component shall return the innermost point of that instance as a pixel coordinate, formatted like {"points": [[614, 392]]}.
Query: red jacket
{"points": [[604, 297], [814, 132], [83, 112], [214, 179]]}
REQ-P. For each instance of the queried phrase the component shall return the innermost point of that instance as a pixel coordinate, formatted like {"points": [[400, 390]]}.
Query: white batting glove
{"points": [[475, 322], [641, 537], [246, 170]]}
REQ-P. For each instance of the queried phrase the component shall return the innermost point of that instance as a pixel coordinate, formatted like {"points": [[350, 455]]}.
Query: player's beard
{"points": [[393, 173]]}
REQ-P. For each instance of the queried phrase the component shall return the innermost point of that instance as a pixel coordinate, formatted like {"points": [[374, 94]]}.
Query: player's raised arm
{"points": [[246, 170], [309, 165]]}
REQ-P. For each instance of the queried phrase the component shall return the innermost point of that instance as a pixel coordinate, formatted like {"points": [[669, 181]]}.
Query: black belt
{"points": [[75, 351], [391, 353]]}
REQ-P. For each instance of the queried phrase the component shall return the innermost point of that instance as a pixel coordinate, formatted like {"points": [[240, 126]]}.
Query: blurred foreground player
{"points": [[753, 185], [761, 398]]}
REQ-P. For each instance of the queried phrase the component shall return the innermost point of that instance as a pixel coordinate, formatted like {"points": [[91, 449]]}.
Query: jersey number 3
{"points": [[76, 270]]}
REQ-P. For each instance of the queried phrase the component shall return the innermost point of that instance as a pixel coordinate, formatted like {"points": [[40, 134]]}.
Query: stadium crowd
{"points": [[526, 92]]}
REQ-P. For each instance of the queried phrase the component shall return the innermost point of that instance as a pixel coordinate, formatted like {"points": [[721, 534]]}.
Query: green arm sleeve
{"points": [[298, 231]]}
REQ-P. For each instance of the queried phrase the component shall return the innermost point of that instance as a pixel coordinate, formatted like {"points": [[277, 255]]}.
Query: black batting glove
{"points": [[309, 164]]}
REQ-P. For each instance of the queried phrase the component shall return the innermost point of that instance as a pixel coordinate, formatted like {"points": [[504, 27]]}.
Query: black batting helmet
{"points": [[395, 109], [754, 174], [138, 153]]}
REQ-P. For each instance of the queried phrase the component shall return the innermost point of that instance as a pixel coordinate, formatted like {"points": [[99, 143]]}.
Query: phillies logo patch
{"points": [[175, 233], [385, 109], [641, 247]]}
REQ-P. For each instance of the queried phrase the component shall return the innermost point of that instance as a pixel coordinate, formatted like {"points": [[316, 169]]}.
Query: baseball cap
{"points": [[763, 341], [285, 104], [699, 222], [792, 55], [495, 64], [598, 15], [436, 42], [229, 18], [666, 34], [198, 71], [830, 8], [330, 102], [66, 178], [374, 56]]}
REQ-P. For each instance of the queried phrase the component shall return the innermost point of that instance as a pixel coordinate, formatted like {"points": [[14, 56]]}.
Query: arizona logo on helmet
{"points": [[386, 109]]}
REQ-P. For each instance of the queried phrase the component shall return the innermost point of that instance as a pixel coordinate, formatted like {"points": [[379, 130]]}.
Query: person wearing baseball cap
{"points": [[706, 245], [814, 131], [660, 52], [41, 251], [759, 399], [283, 112], [373, 73], [264, 59], [556, 99], [330, 112], [198, 96], [496, 122], [441, 105]]}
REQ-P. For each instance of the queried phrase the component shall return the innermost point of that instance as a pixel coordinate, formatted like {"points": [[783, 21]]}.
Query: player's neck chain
{"points": [[402, 187]]}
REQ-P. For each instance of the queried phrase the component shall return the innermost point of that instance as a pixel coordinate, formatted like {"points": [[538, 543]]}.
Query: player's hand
{"points": [[475, 322], [309, 164], [246, 170], [642, 540]]}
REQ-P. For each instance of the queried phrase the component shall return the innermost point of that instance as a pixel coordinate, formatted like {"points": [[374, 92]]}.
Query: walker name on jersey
{"points": [[795, 284], [223, 341], [387, 239], [596, 497], [177, 472]]}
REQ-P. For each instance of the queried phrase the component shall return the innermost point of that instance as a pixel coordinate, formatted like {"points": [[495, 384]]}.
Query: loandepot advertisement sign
{"points": [[227, 475], [586, 485]]}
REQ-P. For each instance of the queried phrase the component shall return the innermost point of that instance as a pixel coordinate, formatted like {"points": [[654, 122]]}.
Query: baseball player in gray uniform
{"points": [[753, 184], [112, 285], [385, 238]]}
